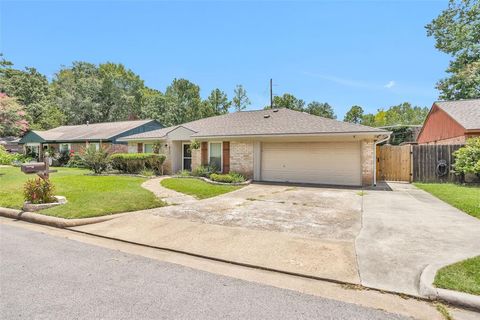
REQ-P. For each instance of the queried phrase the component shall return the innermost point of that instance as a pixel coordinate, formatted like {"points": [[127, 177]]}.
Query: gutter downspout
{"points": [[375, 158]]}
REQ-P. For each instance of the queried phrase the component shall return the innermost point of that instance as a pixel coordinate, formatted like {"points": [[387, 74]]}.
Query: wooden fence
{"points": [[422, 163]]}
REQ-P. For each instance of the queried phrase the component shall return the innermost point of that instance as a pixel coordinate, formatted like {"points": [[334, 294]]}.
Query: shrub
{"points": [[227, 178], [136, 162], [184, 173], [38, 191], [63, 157], [147, 172], [8, 158], [5, 156], [96, 160], [204, 171], [467, 158], [75, 162]]}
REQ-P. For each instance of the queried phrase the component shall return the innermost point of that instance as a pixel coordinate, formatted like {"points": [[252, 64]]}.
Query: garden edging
{"points": [[427, 289], [53, 221], [215, 182]]}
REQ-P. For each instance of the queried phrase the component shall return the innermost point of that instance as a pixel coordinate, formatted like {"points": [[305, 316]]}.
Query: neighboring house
{"points": [[75, 138], [270, 145], [451, 122], [11, 144]]}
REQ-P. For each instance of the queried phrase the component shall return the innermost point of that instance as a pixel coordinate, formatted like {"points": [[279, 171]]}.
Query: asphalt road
{"points": [[47, 277]]}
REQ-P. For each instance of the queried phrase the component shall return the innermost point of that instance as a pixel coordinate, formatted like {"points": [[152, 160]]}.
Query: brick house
{"points": [[75, 138], [451, 122], [279, 145]]}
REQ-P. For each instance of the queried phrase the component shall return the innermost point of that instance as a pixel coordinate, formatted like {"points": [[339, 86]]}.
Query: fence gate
{"points": [[394, 163]]}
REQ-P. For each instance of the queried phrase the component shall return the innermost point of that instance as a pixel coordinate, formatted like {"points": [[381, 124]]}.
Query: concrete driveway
{"points": [[307, 211], [381, 239]]}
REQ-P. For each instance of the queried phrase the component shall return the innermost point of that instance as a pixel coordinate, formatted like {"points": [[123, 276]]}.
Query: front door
{"points": [[187, 157]]}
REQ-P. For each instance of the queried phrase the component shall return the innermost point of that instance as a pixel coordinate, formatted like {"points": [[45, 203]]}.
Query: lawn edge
{"points": [[54, 221], [427, 289]]}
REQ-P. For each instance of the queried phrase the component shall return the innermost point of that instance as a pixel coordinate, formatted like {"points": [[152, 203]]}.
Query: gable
{"points": [[31, 137], [180, 133], [439, 125]]}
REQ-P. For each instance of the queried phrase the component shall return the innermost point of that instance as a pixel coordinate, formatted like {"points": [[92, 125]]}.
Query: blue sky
{"points": [[371, 53]]}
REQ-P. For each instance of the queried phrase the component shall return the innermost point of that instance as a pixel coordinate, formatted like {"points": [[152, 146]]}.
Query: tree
{"points": [[240, 99], [217, 103], [13, 121], [467, 158], [354, 115], [402, 114], [457, 32], [182, 102], [29, 87], [288, 101], [321, 109]]}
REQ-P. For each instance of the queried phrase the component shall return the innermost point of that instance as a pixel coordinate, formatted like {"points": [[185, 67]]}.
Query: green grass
{"points": [[88, 196], [465, 198], [197, 188], [461, 276]]}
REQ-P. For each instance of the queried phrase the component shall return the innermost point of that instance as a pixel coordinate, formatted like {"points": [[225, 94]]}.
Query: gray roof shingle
{"points": [[262, 122], [465, 112], [93, 131]]}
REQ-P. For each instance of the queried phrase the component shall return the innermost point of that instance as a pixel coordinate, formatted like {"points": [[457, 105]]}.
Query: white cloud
{"points": [[390, 84]]}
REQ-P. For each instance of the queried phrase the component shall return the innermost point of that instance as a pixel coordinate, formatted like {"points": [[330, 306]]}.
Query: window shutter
{"points": [[226, 157], [140, 147], [204, 155]]}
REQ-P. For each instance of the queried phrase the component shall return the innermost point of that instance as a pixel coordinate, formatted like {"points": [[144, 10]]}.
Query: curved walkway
{"points": [[168, 195]]}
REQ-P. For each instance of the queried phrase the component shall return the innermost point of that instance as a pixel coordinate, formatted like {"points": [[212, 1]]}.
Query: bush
{"points": [[227, 178], [75, 162], [63, 157], [204, 171], [184, 173], [96, 160], [8, 158], [467, 158], [136, 162], [38, 191], [147, 173]]}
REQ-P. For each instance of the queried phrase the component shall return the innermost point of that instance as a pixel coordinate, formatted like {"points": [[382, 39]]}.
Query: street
{"points": [[48, 277]]}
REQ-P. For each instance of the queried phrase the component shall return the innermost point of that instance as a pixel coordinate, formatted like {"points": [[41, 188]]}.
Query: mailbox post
{"points": [[42, 169]]}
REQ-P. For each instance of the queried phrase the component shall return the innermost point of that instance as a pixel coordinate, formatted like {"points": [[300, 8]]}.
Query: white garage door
{"points": [[306, 162]]}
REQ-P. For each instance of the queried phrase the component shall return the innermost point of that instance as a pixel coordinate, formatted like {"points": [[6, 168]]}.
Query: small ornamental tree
{"points": [[467, 158], [96, 160]]}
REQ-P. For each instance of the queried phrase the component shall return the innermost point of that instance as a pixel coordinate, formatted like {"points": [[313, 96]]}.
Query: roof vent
{"points": [[266, 116]]}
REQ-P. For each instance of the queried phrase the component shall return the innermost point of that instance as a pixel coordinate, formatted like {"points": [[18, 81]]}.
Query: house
{"points": [[11, 144], [451, 122], [279, 145], [75, 138]]}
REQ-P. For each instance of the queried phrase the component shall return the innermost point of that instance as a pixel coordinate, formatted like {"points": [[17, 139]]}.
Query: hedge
{"points": [[136, 162]]}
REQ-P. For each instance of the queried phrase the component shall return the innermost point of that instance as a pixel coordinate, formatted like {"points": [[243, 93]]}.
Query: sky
{"points": [[369, 53]]}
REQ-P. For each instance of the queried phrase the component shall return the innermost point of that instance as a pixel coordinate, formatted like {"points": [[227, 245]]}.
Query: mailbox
{"points": [[34, 167]]}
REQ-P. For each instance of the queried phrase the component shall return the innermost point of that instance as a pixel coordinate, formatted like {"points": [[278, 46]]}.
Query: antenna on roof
{"points": [[271, 93]]}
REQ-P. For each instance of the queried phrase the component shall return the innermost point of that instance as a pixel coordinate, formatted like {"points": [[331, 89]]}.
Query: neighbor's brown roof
{"points": [[465, 112], [262, 122], [93, 131]]}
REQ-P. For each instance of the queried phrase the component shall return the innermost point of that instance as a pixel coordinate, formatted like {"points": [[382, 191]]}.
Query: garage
{"points": [[336, 163]]}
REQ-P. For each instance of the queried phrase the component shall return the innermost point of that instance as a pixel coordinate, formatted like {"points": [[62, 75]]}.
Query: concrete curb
{"points": [[53, 221], [454, 297]]}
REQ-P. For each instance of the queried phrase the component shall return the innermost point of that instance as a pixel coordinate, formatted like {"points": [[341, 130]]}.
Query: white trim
{"points": [[32, 144], [221, 153], [333, 134], [183, 156]]}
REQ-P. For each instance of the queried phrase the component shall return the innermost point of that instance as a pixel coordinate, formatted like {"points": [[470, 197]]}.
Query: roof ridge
{"points": [[470, 99]]}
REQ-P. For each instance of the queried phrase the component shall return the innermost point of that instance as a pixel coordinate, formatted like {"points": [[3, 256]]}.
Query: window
{"points": [[96, 144], [148, 148], [215, 155], [65, 147]]}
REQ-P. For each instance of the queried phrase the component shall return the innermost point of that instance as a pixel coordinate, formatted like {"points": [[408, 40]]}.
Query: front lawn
{"points": [[461, 276], [465, 198], [88, 196], [197, 188]]}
